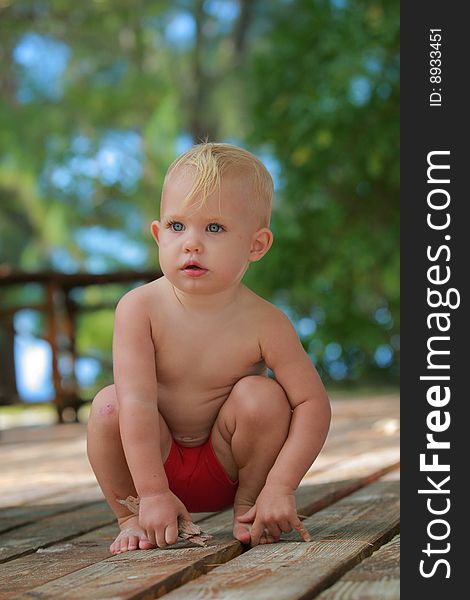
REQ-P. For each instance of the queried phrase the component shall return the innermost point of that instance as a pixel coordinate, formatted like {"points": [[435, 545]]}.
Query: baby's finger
{"points": [[151, 536], [160, 537], [171, 534], [304, 534], [273, 531], [266, 538], [285, 526], [248, 516], [256, 532]]}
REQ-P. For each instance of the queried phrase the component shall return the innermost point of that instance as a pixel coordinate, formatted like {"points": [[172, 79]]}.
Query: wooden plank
{"points": [[350, 438], [343, 535], [40, 433], [138, 574], [385, 405], [50, 530], [27, 475], [54, 502], [359, 465], [359, 427], [59, 470], [38, 467], [65, 470], [26, 455], [68, 470], [47, 564], [84, 492], [375, 577], [46, 487], [42, 567], [18, 516], [310, 498], [152, 573], [351, 450], [372, 459]]}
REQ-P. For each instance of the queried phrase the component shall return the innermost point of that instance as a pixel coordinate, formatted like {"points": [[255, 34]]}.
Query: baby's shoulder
{"points": [[264, 312], [141, 298]]}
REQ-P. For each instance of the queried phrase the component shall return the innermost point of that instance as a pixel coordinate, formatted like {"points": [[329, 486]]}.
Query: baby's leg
{"points": [[249, 432], [108, 461]]}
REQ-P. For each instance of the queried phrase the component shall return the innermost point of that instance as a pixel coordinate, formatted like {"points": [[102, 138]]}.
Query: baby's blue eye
{"points": [[214, 228], [176, 226]]}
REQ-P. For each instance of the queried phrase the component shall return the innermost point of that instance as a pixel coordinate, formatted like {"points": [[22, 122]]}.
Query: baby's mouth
{"points": [[193, 269]]}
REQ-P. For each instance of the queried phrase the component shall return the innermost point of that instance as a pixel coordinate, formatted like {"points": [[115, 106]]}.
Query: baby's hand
{"points": [[275, 512], [158, 516]]}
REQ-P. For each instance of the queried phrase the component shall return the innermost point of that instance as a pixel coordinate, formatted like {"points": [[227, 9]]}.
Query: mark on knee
{"points": [[107, 409]]}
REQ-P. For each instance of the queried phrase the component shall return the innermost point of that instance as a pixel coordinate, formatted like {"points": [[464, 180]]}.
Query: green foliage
{"points": [[328, 107], [314, 84]]}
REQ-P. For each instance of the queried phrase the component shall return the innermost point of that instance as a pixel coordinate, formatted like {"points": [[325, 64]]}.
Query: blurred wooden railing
{"points": [[60, 311]]}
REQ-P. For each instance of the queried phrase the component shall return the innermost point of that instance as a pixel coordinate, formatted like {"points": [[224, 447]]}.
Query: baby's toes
{"points": [[145, 544], [115, 547], [133, 542]]}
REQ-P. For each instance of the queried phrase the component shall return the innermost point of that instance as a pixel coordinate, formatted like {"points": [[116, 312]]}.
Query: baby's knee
{"points": [[262, 400], [104, 406]]}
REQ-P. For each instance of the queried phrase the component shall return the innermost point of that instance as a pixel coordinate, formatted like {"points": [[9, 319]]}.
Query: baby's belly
{"points": [[191, 440], [190, 417], [190, 406]]}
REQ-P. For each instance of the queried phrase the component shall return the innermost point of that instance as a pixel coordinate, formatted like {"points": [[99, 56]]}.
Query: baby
{"points": [[193, 422]]}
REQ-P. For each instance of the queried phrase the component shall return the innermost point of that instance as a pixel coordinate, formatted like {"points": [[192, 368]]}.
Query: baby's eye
{"points": [[176, 226], [214, 228]]}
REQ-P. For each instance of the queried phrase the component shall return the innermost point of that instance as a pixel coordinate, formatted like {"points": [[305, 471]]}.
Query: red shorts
{"points": [[196, 476]]}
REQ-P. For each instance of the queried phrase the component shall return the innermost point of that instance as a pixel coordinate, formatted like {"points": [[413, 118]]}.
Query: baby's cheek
{"points": [[165, 241]]}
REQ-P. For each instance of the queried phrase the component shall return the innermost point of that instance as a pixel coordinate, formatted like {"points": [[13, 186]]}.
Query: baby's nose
{"points": [[192, 245]]}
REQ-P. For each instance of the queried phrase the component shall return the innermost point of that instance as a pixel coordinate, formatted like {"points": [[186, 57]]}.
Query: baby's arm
{"points": [[284, 354], [136, 387]]}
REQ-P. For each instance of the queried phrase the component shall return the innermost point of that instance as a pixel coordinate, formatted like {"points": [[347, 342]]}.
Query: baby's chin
{"points": [[208, 285], [183, 284]]}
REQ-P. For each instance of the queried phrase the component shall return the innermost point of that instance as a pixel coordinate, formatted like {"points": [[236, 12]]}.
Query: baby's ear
{"points": [[261, 243], [155, 229]]}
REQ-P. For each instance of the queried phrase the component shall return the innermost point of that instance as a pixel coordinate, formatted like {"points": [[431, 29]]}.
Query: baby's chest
{"points": [[212, 358]]}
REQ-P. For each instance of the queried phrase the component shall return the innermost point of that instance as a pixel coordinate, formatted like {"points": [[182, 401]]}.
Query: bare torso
{"points": [[199, 357]]}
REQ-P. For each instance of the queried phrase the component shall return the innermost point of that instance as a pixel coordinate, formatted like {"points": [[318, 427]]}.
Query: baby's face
{"points": [[208, 249]]}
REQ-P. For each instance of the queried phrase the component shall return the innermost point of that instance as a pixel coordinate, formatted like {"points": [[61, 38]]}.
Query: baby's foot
{"points": [[242, 531], [132, 536]]}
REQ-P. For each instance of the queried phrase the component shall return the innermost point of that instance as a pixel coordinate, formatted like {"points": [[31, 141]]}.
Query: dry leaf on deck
{"points": [[187, 530]]}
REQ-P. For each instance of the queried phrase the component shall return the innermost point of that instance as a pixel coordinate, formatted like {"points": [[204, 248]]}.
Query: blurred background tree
{"points": [[98, 97], [328, 107]]}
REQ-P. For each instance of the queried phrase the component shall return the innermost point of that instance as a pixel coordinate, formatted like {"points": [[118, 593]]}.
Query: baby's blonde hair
{"points": [[212, 161]]}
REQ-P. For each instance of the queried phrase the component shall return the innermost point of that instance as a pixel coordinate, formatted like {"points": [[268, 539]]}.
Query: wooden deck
{"points": [[55, 528]]}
